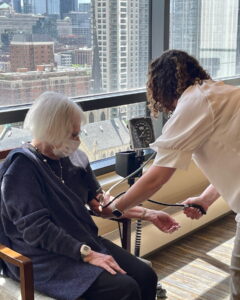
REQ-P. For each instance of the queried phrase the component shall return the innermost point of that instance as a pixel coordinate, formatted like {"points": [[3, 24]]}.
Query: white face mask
{"points": [[67, 148]]}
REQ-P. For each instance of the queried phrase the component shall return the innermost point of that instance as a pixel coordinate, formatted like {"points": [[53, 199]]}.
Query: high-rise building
{"points": [[122, 30], [185, 25], [67, 6], [219, 31], [17, 6], [28, 55], [39, 7], [209, 30], [53, 7], [64, 27], [27, 6], [18, 22], [81, 26], [49, 7], [84, 7]]}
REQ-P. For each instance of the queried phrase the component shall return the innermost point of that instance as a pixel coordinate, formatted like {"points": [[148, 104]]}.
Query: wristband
{"points": [[143, 213]]}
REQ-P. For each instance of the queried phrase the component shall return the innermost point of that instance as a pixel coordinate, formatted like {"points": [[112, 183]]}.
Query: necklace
{"points": [[45, 161]]}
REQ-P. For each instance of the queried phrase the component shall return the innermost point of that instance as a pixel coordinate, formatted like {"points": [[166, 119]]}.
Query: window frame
{"points": [[158, 42]]}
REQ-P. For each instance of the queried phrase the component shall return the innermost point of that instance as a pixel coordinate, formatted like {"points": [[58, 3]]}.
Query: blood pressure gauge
{"points": [[141, 132]]}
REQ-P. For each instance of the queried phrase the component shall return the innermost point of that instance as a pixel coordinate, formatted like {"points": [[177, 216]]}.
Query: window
{"points": [[210, 31], [91, 117], [70, 44], [42, 44]]}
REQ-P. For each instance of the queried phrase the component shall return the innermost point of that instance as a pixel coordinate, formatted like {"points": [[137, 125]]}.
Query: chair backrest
{"points": [[3, 238]]}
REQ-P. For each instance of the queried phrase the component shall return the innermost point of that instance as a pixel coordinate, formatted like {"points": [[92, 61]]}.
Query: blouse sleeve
{"points": [[189, 127]]}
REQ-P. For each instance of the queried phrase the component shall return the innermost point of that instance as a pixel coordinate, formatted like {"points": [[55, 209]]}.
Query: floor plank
{"points": [[197, 266]]}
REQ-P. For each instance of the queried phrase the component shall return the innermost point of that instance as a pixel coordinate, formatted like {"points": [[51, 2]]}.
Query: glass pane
{"points": [[209, 30], [75, 47], [12, 136], [104, 134]]}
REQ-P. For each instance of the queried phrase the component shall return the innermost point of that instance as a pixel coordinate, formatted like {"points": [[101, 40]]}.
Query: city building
{"points": [[64, 58], [80, 57], [67, 6], [214, 43], [5, 66], [219, 44], [83, 56], [17, 6], [104, 138], [27, 6], [84, 7], [122, 30], [81, 26], [5, 9], [120, 49], [49, 7], [185, 25], [64, 27], [30, 54], [53, 7], [24, 87], [18, 23]]}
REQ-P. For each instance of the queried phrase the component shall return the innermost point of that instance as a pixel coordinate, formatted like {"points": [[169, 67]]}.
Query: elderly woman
{"points": [[45, 187], [205, 126]]}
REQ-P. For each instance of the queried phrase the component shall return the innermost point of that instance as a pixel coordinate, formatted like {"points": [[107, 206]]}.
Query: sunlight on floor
{"points": [[223, 252], [196, 278]]}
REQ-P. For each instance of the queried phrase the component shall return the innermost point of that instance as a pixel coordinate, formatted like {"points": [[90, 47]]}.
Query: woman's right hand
{"points": [[104, 261], [194, 213]]}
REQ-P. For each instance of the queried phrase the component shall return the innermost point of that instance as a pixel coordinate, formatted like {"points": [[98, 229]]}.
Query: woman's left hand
{"points": [[162, 220]]}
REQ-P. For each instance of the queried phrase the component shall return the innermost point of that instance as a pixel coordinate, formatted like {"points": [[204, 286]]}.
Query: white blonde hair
{"points": [[50, 118]]}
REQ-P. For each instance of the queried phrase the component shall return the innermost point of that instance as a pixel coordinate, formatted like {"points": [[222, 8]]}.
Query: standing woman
{"points": [[204, 126]]}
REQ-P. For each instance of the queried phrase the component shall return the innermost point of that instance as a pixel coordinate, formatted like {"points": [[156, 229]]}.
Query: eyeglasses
{"points": [[77, 135]]}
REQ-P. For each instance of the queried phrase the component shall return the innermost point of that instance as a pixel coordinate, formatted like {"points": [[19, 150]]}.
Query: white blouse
{"points": [[205, 126]]}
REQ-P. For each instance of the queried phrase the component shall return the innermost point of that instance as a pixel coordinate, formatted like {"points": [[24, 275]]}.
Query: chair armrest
{"points": [[26, 270], [126, 233]]}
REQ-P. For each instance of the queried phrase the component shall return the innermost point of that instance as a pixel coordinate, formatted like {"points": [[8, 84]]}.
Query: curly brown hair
{"points": [[169, 76]]}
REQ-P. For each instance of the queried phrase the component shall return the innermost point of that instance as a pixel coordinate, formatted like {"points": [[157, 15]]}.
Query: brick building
{"points": [[30, 54], [83, 56], [20, 88]]}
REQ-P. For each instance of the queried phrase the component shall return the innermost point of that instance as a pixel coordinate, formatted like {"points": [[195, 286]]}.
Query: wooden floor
{"points": [[196, 267]]}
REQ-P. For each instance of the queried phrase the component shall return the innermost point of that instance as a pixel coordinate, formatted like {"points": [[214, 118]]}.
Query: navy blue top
{"points": [[46, 220]]}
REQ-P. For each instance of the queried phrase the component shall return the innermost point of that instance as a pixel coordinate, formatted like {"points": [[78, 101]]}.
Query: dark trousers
{"points": [[139, 283]]}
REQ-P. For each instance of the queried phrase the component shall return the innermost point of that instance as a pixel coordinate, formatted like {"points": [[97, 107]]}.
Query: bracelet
{"points": [[143, 213], [100, 198]]}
